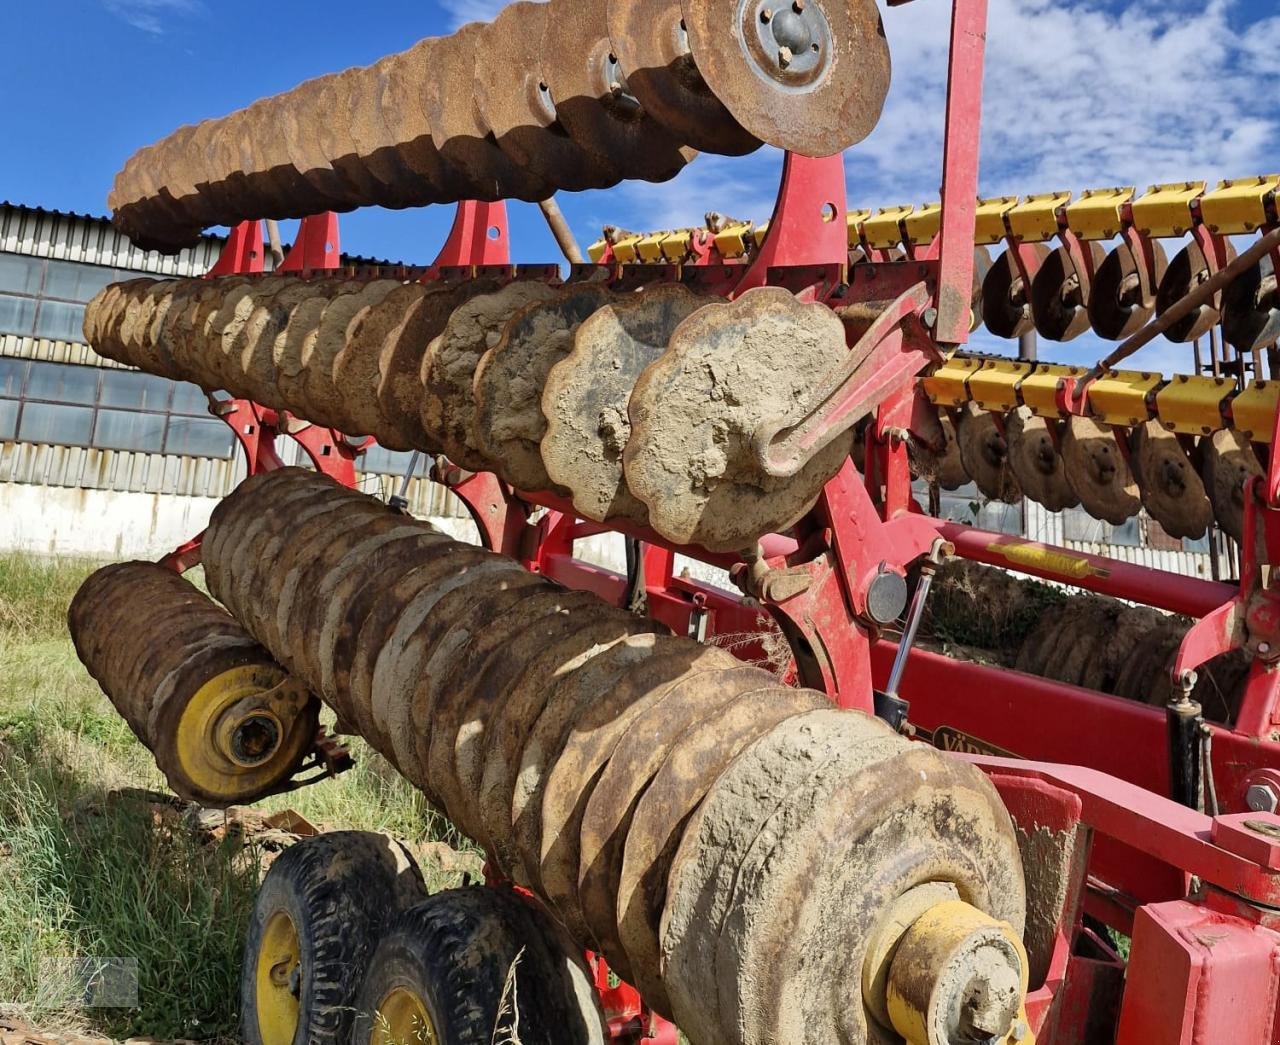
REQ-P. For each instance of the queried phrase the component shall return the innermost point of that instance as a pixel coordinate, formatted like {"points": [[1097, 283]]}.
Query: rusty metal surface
{"points": [[984, 452], [154, 642], [1059, 298], [1035, 461], [811, 78], [1172, 491], [652, 48], [1098, 472], [1228, 461]]}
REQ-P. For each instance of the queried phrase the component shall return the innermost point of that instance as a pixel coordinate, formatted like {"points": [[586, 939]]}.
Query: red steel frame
{"points": [[1199, 894]]}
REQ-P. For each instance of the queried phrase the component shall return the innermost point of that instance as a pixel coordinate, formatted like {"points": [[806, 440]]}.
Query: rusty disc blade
{"points": [[573, 692], [449, 367], [461, 135], [687, 772], [985, 455], [1058, 302], [355, 368], [592, 101], [586, 752], [981, 266], [1228, 461], [1188, 270], [1251, 308], [509, 423], [400, 390], [262, 332], [809, 77], [1098, 472], [515, 103], [942, 465], [1117, 308], [729, 369], [586, 395], [1172, 491], [637, 756], [652, 47], [515, 717], [1035, 461], [1006, 303]]}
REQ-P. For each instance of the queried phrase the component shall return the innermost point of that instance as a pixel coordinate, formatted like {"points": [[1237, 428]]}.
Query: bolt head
{"points": [[1261, 798]]}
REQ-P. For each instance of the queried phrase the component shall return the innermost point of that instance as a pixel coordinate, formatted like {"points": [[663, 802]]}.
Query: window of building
{"points": [[46, 297], [388, 462], [65, 405]]}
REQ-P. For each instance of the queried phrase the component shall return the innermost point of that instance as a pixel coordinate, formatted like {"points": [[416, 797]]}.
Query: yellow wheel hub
{"points": [[402, 1019], [279, 981], [200, 742]]}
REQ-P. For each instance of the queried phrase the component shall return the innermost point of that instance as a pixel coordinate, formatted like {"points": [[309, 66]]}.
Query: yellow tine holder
{"points": [[1119, 397], [1039, 389], [1096, 214], [948, 385], [1241, 206], [1253, 411], [1193, 405], [994, 385], [1165, 211], [1035, 219]]}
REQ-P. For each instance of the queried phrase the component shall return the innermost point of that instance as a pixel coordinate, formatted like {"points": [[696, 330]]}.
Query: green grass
{"points": [[88, 869]]}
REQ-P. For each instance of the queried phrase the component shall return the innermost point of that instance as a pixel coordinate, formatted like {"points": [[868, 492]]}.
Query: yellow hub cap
{"points": [[199, 747], [402, 1019], [279, 981]]}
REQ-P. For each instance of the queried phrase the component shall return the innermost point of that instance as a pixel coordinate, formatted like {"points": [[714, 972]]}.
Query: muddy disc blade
{"points": [[810, 77], [652, 47], [1098, 472], [459, 132], [1058, 301], [1172, 492], [1187, 271], [1251, 308], [592, 100], [985, 454], [515, 102], [1036, 463], [509, 423], [981, 266], [587, 393], [1116, 306], [1228, 461], [943, 464], [1006, 304], [729, 369]]}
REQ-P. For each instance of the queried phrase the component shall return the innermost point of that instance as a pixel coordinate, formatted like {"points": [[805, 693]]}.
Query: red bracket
{"points": [[479, 237], [318, 246]]}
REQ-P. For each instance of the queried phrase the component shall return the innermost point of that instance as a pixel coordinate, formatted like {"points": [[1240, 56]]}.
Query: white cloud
{"points": [[464, 11], [151, 16]]}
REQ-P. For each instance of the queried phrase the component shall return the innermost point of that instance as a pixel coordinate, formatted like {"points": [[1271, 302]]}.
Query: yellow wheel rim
{"points": [[279, 981], [402, 1019], [195, 741]]}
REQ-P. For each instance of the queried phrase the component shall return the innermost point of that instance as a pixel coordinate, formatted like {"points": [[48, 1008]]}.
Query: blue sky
{"points": [[1079, 93]]}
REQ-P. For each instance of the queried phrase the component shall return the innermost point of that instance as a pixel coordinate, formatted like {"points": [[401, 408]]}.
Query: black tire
{"points": [[484, 965], [334, 893]]}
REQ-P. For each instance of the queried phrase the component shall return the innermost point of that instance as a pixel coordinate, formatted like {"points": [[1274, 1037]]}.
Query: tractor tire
{"points": [[316, 921], [474, 966]]}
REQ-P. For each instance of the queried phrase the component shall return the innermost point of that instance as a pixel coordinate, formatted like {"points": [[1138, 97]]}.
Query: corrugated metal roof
{"points": [[93, 240]]}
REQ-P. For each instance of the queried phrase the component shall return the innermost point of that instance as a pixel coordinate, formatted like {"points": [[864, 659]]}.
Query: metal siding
{"points": [[94, 241], [115, 470]]}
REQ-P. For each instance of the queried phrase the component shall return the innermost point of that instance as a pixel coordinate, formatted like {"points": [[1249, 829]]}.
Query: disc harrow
{"points": [[225, 722], [564, 95], [595, 774], [642, 406]]}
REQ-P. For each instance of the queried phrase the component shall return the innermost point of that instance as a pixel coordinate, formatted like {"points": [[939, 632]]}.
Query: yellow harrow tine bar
{"points": [[948, 385], [922, 226], [884, 228], [990, 228], [1120, 396], [854, 219], [1253, 411]]}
